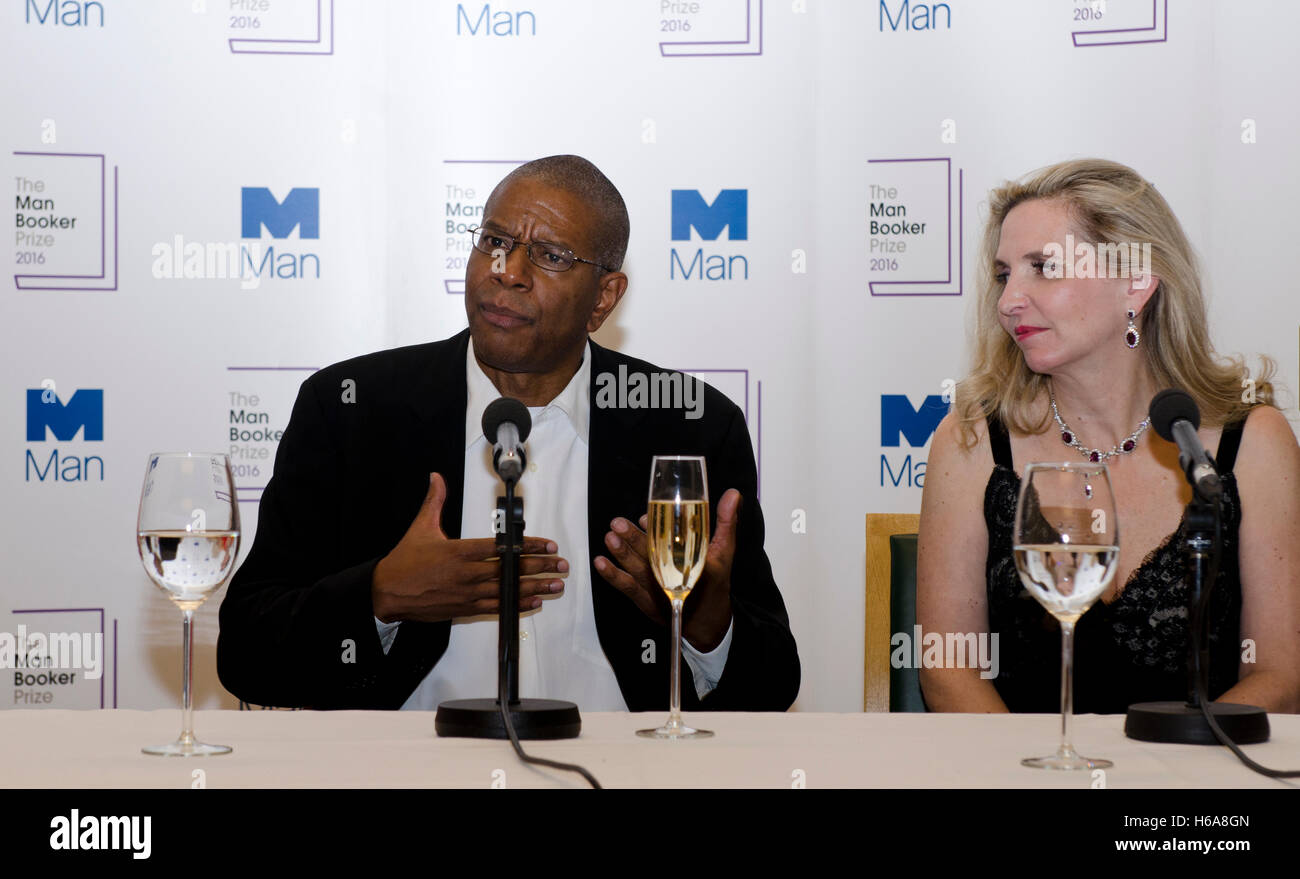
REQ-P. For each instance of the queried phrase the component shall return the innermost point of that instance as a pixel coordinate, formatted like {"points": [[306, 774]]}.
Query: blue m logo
{"points": [[729, 210], [301, 208], [85, 409], [898, 419]]}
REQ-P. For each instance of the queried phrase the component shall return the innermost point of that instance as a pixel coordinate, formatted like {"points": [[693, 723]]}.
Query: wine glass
{"points": [[188, 534], [678, 534], [1066, 550]]}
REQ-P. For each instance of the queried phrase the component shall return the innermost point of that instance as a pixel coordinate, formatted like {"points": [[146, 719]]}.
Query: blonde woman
{"points": [[1065, 366]]}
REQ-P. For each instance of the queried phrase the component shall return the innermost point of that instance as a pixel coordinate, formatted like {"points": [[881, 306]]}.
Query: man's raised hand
{"points": [[707, 613], [430, 577]]}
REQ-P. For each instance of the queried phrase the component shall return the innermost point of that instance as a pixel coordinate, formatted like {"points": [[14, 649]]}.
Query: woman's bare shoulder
{"points": [[1268, 446], [1269, 423], [953, 458]]}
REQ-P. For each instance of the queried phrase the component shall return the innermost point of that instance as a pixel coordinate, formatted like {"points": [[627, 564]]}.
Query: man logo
{"points": [[300, 208], [729, 210], [84, 413], [898, 419], [84, 410]]}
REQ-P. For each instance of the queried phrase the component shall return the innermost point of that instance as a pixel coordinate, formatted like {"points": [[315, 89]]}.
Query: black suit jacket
{"points": [[297, 624]]}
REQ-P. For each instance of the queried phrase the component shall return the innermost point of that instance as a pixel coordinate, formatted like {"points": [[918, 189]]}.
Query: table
{"points": [[361, 749]]}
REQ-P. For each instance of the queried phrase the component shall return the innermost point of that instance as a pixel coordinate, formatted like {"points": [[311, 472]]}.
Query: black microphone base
{"points": [[532, 719], [1179, 723]]}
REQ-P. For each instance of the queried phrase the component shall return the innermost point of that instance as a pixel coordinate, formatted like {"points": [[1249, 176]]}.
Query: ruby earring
{"points": [[1131, 337]]}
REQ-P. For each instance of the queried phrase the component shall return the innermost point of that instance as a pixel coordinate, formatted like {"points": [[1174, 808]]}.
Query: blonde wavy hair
{"points": [[1108, 203]]}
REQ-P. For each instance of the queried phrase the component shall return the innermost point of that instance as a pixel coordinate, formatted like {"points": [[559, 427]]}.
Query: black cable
{"points": [[514, 737], [1204, 699], [510, 569], [1223, 739]]}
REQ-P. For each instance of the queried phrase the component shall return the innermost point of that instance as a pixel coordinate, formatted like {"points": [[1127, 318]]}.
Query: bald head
{"points": [[584, 181]]}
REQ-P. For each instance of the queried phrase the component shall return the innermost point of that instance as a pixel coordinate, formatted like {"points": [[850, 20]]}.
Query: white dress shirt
{"points": [[560, 656]]}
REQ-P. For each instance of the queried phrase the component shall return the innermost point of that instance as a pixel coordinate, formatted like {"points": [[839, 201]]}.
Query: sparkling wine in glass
{"points": [[188, 537], [1066, 550], [678, 537]]}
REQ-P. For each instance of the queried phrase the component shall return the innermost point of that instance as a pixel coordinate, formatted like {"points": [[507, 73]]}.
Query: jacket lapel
{"points": [[438, 399]]}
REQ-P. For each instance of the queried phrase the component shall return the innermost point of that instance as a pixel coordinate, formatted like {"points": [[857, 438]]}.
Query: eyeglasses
{"points": [[551, 257]]}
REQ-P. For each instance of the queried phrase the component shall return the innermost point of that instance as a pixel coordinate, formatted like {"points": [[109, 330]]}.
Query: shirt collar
{"points": [[574, 402]]}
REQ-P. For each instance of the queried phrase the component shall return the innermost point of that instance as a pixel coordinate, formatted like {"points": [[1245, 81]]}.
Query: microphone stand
{"points": [[1185, 722], [507, 713]]}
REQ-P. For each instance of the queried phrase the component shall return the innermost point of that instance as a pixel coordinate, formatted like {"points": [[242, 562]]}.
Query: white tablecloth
{"points": [[353, 749]]}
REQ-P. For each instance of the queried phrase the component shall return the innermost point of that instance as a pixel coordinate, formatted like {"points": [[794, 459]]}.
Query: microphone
{"points": [[1198, 721], [1175, 418], [506, 424]]}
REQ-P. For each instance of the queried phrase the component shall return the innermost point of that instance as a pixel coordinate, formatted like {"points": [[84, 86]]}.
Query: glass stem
{"points": [[1067, 685], [675, 708], [187, 649]]}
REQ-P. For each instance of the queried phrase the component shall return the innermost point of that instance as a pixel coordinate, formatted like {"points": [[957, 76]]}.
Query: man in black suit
{"points": [[348, 596]]}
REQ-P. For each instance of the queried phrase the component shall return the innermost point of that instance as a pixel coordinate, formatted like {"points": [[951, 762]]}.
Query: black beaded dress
{"points": [[1133, 649]]}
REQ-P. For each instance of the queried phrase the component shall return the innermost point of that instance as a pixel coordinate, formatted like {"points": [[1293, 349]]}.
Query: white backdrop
{"points": [[133, 127]]}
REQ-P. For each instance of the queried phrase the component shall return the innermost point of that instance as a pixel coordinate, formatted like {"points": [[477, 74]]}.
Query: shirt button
{"points": [[532, 467], [523, 636]]}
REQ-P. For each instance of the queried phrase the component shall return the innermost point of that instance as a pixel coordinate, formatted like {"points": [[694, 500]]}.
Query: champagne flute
{"points": [[1066, 550], [678, 532], [188, 536]]}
